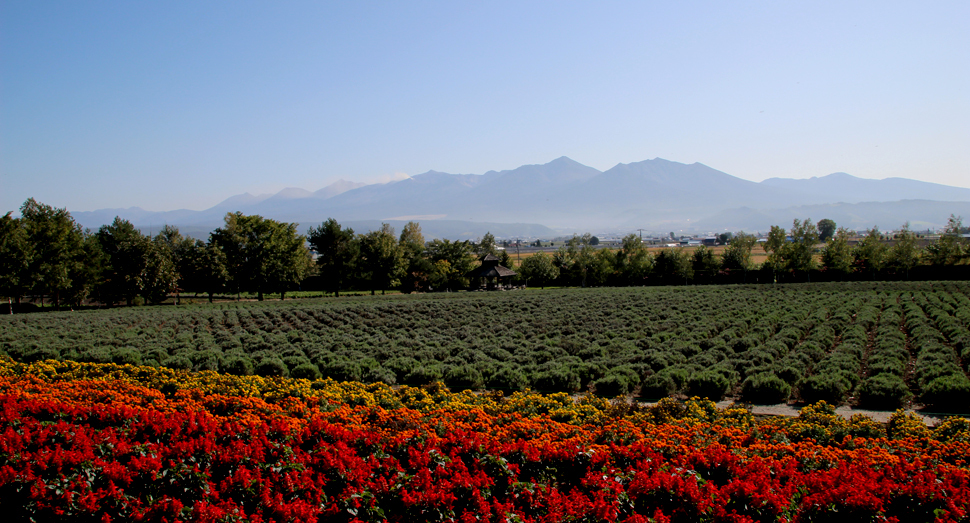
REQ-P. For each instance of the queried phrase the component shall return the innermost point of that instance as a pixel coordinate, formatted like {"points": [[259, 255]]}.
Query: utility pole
{"points": [[641, 235]]}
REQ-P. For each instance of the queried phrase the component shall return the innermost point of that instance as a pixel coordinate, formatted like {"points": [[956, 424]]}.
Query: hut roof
{"points": [[492, 271]]}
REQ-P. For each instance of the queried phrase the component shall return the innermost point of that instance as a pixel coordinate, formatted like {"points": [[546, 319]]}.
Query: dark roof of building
{"points": [[491, 271]]}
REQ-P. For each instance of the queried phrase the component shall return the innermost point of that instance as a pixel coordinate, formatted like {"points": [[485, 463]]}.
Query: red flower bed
{"points": [[172, 459]]}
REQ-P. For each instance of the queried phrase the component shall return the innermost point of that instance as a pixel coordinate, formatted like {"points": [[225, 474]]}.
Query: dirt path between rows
{"points": [[881, 416]]}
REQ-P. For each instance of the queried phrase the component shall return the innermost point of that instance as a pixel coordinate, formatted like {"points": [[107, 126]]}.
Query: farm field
{"points": [[878, 345], [108, 442]]}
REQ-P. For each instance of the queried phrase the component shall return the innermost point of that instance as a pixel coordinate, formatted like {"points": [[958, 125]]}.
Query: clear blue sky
{"points": [[174, 104]]}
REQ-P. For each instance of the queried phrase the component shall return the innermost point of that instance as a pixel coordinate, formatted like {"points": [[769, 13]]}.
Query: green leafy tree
{"points": [[633, 261], [58, 248], [161, 275], [724, 238], [539, 268], [737, 255], [337, 250], [15, 258], [452, 261], [602, 269], [210, 268], [577, 257], [905, 253], [181, 251], [418, 269], [802, 247], [798, 254], [826, 229], [486, 246], [948, 250], [380, 258], [869, 255], [674, 264], [704, 262], [262, 255], [837, 255], [775, 247], [126, 252]]}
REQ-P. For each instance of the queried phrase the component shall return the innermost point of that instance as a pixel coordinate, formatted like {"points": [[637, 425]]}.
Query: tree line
{"points": [[807, 250], [45, 252]]}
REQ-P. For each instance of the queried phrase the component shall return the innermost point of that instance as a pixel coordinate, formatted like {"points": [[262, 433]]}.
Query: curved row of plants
{"points": [[86, 441], [877, 344]]}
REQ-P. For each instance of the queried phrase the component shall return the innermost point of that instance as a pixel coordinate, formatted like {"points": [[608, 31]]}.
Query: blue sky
{"points": [[168, 105]]}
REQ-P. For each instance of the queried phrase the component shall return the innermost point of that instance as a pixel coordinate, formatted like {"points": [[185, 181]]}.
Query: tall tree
{"points": [[486, 246], [452, 261], [417, 269], [539, 268], [181, 251], [336, 249], [869, 254], [837, 255], [802, 247], [263, 255], [737, 255], [380, 257], [704, 262], [674, 264], [15, 258], [58, 245], [126, 252], [826, 229], [633, 261], [948, 249], [904, 254]]}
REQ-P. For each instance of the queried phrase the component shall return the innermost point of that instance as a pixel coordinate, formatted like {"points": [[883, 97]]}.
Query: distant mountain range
{"points": [[564, 195]]}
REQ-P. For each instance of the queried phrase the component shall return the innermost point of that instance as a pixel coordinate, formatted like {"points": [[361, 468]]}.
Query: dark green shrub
{"points": [[657, 386], [765, 389], [949, 393], [102, 355], [126, 356], [789, 374], [424, 375], [557, 380], [343, 369], [884, 391], [824, 387], [401, 366], [41, 354], [271, 367], [507, 378], [380, 374], [679, 374], [205, 360], [887, 366], [708, 384], [612, 385], [178, 362], [307, 371], [462, 377], [238, 366]]}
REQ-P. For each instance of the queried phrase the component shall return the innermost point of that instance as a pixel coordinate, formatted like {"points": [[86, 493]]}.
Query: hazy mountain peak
{"points": [[291, 193], [337, 187]]}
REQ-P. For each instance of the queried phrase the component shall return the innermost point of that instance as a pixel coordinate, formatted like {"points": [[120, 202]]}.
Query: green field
{"points": [[876, 345]]}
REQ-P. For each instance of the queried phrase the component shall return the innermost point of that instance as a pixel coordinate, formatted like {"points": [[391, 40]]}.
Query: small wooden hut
{"points": [[494, 275]]}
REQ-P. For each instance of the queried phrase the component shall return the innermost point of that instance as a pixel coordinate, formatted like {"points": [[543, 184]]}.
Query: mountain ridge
{"points": [[565, 194]]}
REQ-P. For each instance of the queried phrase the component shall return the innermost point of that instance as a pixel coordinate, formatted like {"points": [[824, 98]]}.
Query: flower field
{"points": [[108, 442]]}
